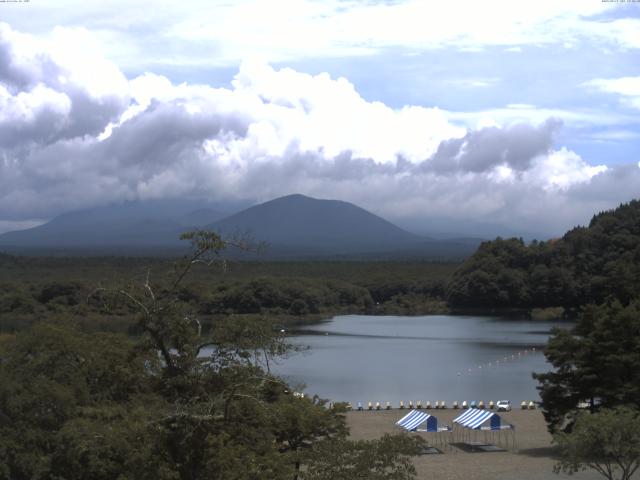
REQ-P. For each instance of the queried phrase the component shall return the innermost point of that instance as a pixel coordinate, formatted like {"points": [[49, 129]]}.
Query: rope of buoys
{"points": [[439, 404], [498, 362]]}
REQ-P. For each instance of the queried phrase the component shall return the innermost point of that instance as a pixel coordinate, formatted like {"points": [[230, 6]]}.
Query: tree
{"points": [[175, 403], [587, 265], [384, 459], [597, 361], [607, 441], [67, 398]]}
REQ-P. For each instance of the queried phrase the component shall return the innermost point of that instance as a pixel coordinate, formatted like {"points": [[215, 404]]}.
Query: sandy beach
{"points": [[532, 458]]}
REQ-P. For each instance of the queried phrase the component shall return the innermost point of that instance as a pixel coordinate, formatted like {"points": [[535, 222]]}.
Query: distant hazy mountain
{"points": [[133, 224], [294, 226], [297, 225], [331, 225]]}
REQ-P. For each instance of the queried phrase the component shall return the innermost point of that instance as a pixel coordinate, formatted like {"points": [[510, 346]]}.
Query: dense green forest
{"points": [[587, 265], [36, 288], [100, 406]]}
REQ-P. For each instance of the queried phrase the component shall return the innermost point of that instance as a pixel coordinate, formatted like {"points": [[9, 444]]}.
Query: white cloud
{"points": [[223, 33], [561, 169], [9, 226], [273, 132], [521, 112], [627, 87]]}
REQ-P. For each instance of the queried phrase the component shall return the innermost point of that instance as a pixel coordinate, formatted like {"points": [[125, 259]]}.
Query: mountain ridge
{"points": [[295, 227]]}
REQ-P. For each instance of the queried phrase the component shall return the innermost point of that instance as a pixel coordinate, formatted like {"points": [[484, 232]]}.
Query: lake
{"points": [[360, 358]]}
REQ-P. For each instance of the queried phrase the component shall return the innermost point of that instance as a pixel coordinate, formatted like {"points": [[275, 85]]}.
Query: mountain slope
{"points": [[295, 227], [134, 224], [322, 226]]}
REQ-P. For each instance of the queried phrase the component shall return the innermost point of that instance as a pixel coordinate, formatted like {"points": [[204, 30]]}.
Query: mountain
{"points": [[297, 225], [294, 227], [322, 225], [156, 223]]}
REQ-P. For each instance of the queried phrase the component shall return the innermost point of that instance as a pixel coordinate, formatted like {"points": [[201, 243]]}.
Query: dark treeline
{"points": [[78, 405], [36, 288], [587, 265]]}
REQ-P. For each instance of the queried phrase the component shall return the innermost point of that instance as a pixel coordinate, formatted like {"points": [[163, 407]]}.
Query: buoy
{"points": [[481, 405], [523, 405], [455, 404], [388, 406], [418, 405], [428, 405], [370, 406], [377, 405], [410, 404], [465, 404], [532, 405], [491, 405], [401, 405]]}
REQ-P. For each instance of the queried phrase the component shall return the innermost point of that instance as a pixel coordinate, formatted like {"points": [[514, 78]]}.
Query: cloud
{"points": [[524, 113], [56, 90], [628, 88], [513, 147], [9, 226], [76, 142], [223, 33]]}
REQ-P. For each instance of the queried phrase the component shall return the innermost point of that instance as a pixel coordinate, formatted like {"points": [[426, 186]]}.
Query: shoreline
{"points": [[531, 459]]}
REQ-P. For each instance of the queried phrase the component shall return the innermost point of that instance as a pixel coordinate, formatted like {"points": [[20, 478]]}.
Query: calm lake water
{"points": [[361, 358]]}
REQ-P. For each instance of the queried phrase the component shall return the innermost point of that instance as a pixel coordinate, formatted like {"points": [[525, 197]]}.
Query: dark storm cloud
{"points": [[481, 150]]}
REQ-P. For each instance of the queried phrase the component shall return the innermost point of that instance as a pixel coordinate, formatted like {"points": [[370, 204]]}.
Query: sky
{"points": [[522, 116]]}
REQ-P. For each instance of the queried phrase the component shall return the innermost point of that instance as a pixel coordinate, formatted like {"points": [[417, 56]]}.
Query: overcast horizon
{"points": [[522, 115]]}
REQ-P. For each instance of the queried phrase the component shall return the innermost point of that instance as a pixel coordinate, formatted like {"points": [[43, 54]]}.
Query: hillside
{"points": [[322, 225], [587, 265], [293, 227], [297, 226], [129, 225]]}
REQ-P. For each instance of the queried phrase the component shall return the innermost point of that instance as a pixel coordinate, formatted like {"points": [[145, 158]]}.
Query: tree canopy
{"points": [[596, 362], [173, 403], [587, 265], [607, 442]]}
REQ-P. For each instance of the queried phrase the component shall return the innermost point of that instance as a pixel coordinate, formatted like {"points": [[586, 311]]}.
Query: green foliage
{"points": [[588, 265], [289, 295], [54, 377], [178, 402], [607, 441], [33, 289], [384, 459], [598, 361]]}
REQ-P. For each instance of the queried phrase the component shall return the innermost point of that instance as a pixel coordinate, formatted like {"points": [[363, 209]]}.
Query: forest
{"points": [[587, 265], [36, 288], [101, 374], [101, 405]]}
